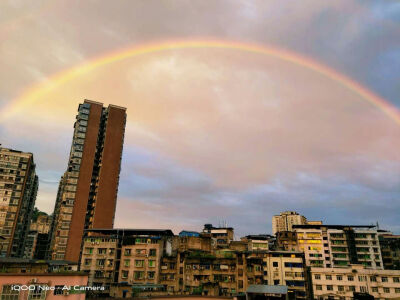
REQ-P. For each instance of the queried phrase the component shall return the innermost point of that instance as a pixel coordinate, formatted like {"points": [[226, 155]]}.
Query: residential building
{"points": [[36, 245], [342, 283], [285, 220], [221, 236], [87, 192], [287, 240], [124, 255], [339, 245], [259, 242], [18, 189], [277, 268], [390, 249], [129, 262], [42, 224]]}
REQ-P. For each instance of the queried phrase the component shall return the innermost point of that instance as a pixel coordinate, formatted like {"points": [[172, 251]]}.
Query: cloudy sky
{"points": [[215, 134]]}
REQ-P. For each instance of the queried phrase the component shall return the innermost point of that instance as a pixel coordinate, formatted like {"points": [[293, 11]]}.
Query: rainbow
{"points": [[35, 92]]}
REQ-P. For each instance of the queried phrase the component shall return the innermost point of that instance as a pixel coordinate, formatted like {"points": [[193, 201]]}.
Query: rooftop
{"points": [[5, 260], [318, 226], [131, 231]]}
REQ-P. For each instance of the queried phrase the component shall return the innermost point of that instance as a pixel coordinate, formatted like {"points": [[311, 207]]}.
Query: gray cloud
{"points": [[212, 135]]}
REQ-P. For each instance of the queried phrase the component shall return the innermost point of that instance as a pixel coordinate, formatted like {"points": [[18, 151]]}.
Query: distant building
{"points": [[221, 236], [390, 249], [42, 224], [18, 189], [260, 242], [87, 193], [36, 245], [285, 220], [287, 240], [332, 246], [343, 283]]}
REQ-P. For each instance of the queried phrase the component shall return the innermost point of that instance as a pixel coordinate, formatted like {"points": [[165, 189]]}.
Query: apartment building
{"points": [[260, 242], [42, 224], [206, 273], [286, 240], [341, 283], [127, 262], [221, 236], [18, 189], [277, 268], [113, 256], [87, 192], [285, 221], [339, 245], [390, 249]]}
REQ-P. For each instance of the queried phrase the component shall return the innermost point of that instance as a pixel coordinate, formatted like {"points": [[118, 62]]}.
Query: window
{"points": [[372, 278], [386, 290], [397, 290], [384, 279], [339, 277], [127, 252], [350, 278], [100, 262], [39, 292], [362, 278], [101, 251], [340, 288], [139, 263], [363, 289], [8, 294], [125, 274], [374, 289], [276, 282], [328, 277], [88, 262], [396, 279], [351, 288], [152, 263], [151, 275], [317, 276], [153, 252], [319, 287], [127, 262], [140, 251], [329, 287], [138, 275], [275, 264]]}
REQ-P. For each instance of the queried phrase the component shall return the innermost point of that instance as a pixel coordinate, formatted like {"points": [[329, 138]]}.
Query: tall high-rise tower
{"points": [[88, 190], [18, 189], [285, 220]]}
